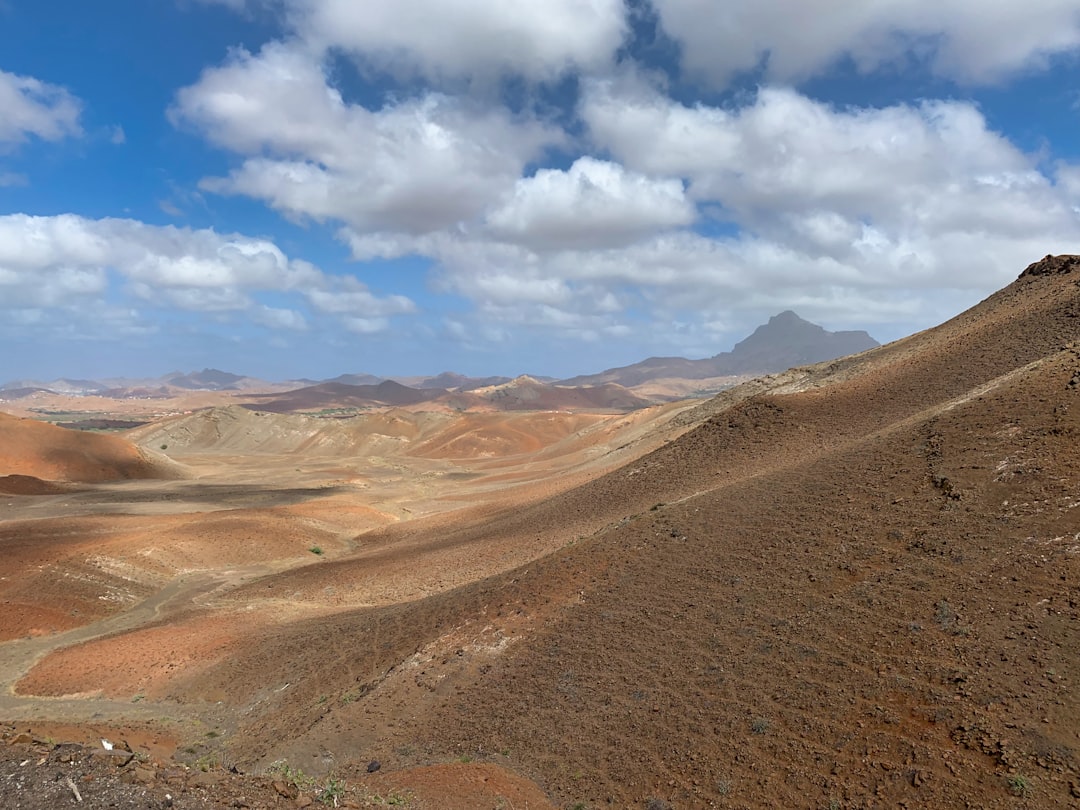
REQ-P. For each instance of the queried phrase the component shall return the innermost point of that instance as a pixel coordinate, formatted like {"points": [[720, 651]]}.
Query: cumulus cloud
{"points": [[894, 215], [277, 318], [688, 213], [350, 297], [849, 184], [593, 204], [33, 108], [537, 39], [67, 260], [416, 165], [968, 40]]}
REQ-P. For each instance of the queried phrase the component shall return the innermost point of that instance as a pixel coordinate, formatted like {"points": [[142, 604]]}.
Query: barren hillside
{"points": [[31, 448], [850, 585]]}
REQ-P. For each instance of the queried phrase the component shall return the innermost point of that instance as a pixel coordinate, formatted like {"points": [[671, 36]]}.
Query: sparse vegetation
{"points": [[293, 776], [316, 550], [332, 792], [1019, 785], [760, 725], [948, 619]]}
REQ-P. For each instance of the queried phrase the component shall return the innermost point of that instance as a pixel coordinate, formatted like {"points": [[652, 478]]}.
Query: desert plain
{"points": [[852, 584]]}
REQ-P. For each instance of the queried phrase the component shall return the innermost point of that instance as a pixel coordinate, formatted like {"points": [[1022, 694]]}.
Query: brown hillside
{"points": [[527, 393], [32, 448]]}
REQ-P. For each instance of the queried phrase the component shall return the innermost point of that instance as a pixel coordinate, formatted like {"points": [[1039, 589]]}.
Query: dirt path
{"points": [[18, 657]]}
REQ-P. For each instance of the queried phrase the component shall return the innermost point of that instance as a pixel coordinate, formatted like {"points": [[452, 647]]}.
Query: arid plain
{"points": [[853, 584]]}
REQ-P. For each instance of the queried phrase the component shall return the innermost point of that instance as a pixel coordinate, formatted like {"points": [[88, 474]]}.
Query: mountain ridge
{"points": [[784, 342]]}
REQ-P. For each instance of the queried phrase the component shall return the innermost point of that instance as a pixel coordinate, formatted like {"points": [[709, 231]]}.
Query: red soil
{"points": [[40, 450]]}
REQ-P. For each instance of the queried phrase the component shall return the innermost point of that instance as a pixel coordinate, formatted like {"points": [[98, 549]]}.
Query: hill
{"points": [[521, 393], [342, 395], [809, 597], [42, 451]]}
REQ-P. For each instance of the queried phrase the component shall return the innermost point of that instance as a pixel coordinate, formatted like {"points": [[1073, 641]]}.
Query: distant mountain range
{"points": [[784, 342], [520, 394]]}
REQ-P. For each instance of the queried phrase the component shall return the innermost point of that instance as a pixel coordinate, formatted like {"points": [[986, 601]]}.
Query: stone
{"points": [[117, 756], [205, 778]]}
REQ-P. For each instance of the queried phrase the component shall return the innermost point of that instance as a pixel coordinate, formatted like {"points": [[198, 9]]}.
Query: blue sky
{"points": [[302, 189]]}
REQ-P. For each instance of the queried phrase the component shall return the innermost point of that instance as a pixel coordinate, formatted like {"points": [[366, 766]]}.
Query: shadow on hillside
{"points": [[238, 496]]}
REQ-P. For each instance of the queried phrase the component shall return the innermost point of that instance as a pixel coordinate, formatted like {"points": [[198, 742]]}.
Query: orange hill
{"points": [[31, 448]]}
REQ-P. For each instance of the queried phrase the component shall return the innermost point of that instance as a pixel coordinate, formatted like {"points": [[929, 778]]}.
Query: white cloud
{"points": [[593, 204], [366, 326], [851, 215], [350, 297], [971, 40], [64, 261], [901, 215], [416, 165], [840, 183], [537, 39], [277, 318], [35, 108]]}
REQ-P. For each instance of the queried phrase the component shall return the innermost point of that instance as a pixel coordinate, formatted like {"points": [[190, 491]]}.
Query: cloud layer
{"points": [[969, 40], [417, 165], [540, 40], [73, 264]]}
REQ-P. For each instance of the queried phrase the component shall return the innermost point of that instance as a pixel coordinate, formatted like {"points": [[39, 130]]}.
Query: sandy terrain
{"points": [[170, 573], [849, 585]]}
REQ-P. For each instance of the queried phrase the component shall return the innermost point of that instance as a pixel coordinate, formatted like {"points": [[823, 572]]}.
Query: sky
{"points": [[304, 188]]}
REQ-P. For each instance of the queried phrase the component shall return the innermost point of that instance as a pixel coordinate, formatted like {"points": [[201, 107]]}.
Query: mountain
{"points": [[521, 394], [787, 341], [339, 395], [209, 379], [529, 393], [450, 380], [355, 379], [784, 342], [168, 385], [62, 386]]}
